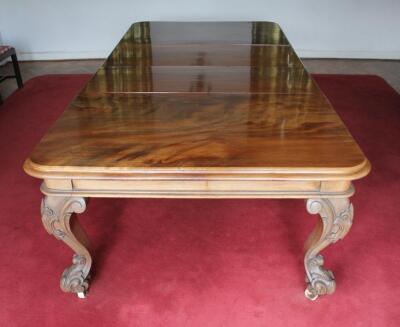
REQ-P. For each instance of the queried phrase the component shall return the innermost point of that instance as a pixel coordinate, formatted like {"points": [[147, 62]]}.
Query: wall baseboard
{"points": [[349, 54], [304, 53], [62, 55]]}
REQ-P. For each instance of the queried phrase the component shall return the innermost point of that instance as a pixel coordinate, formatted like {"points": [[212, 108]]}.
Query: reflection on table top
{"points": [[200, 95]]}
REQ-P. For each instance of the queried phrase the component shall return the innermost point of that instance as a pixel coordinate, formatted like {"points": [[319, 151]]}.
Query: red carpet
{"points": [[202, 262]]}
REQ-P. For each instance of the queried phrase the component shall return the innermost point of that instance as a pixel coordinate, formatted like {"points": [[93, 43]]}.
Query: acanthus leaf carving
{"points": [[337, 217], [56, 216]]}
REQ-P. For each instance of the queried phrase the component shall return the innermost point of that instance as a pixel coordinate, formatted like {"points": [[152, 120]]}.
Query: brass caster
{"points": [[310, 294], [81, 295]]}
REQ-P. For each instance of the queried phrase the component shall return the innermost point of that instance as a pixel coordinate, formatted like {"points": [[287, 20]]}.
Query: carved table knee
{"points": [[336, 220], [57, 218]]}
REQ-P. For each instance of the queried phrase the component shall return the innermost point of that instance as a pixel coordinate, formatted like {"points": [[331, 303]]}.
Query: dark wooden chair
{"points": [[5, 52]]}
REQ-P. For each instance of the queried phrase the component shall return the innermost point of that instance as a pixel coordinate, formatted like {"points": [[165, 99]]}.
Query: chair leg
{"points": [[17, 71]]}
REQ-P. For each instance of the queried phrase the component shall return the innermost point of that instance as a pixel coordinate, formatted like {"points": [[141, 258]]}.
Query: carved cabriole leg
{"points": [[336, 219], [58, 219]]}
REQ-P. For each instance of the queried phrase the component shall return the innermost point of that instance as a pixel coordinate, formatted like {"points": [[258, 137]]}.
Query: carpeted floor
{"points": [[202, 262]]}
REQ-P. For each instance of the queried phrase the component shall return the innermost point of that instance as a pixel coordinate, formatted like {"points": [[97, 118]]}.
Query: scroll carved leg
{"points": [[336, 220], [58, 219]]}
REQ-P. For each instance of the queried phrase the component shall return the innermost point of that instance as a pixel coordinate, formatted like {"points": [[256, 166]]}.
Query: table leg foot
{"points": [[336, 219], [310, 293], [58, 219], [81, 295]]}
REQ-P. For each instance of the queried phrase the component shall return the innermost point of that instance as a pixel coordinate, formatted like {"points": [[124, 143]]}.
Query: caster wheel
{"points": [[310, 294], [81, 295]]}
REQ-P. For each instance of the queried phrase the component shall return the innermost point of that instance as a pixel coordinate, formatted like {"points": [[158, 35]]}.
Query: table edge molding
{"points": [[204, 173]]}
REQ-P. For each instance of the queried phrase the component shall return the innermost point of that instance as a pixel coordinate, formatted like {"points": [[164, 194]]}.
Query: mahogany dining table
{"points": [[199, 110]]}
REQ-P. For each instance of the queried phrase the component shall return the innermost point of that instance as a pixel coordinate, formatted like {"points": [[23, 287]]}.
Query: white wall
{"points": [[64, 29]]}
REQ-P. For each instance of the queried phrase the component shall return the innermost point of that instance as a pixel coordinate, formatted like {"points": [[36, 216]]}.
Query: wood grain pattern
{"points": [[160, 103], [230, 131], [200, 79]]}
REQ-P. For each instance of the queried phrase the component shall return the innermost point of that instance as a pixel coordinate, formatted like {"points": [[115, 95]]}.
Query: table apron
{"points": [[197, 188]]}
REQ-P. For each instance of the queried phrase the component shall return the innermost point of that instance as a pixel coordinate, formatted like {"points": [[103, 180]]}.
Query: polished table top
{"points": [[200, 98]]}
